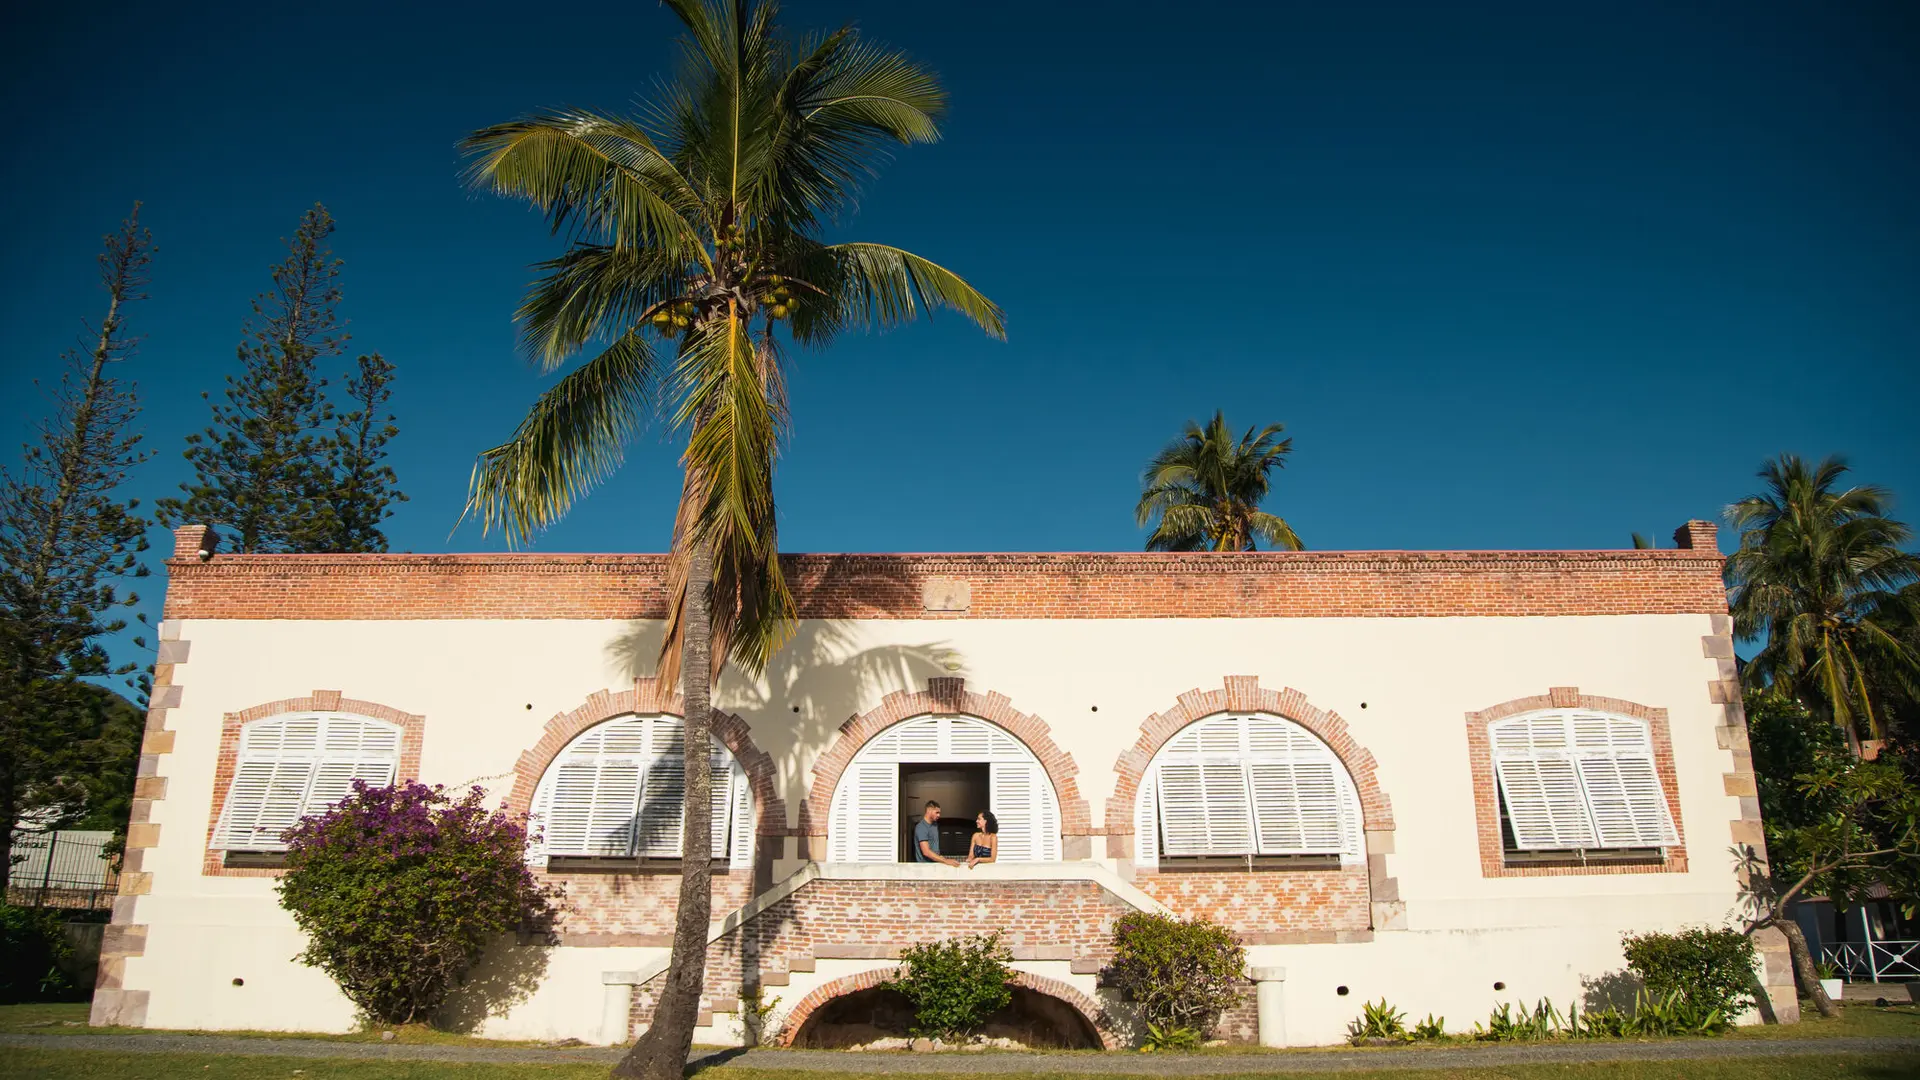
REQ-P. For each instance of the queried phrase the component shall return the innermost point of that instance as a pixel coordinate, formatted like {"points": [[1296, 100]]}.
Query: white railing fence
{"points": [[1879, 961]]}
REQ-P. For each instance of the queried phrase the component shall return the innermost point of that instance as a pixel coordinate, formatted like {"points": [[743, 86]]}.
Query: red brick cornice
{"points": [[995, 586], [945, 697], [1486, 792], [647, 696], [1243, 693]]}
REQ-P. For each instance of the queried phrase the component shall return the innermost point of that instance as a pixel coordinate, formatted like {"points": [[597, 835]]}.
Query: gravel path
{"points": [[1304, 1061]]}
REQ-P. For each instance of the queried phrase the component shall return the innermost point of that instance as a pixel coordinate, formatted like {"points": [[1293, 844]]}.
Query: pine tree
{"points": [[65, 539], [364, 487], [263, 468]]}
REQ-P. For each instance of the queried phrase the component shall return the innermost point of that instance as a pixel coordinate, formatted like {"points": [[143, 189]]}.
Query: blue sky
{"points": [[1512, 275]]}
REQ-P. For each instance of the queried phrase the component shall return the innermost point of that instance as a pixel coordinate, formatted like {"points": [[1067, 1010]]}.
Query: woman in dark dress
{"points": [[985, 846]]}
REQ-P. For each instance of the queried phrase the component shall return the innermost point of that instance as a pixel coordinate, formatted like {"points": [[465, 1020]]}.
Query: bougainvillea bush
{"points": [[400, 889]]}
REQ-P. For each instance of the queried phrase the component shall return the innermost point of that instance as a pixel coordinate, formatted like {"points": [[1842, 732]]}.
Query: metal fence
{"points": [[63, 869], [1875, 961]]}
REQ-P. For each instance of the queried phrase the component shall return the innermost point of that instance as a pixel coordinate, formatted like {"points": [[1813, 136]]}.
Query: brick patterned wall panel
{"points": [[825, 919], [1386, 584], [603, 908], [1258, 905]]}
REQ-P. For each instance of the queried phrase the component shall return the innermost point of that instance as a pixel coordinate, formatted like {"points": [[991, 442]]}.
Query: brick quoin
{"points": [[1486, 792], [412, 733], [1152, 585], [944, 697]]}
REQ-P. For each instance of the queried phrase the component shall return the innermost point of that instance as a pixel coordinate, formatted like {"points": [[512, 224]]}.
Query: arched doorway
{"points": [[866, 1011], [979, 765]]}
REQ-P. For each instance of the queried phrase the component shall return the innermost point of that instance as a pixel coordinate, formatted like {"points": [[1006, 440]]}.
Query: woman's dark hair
{"points": [[993, 823]]}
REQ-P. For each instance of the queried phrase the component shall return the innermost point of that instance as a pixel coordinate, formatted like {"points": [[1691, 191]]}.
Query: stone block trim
{"points": [[113, 1002], [1141, 585], [412, 733], [649, 697], [1089, 1009], [1244, 694], [1747, 831], [1486, 791], [945, 697]]}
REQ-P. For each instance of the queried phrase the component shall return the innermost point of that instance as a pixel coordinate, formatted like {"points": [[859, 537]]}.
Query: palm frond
{"points": [[886, 286], [592, 287], [598, 174], [574, 436]]}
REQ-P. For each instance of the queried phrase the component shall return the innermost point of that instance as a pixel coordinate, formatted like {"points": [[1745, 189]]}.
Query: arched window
{"points": [[1573, 780], [1246, 786], [290, 767], [870, 821], [618, 791]]}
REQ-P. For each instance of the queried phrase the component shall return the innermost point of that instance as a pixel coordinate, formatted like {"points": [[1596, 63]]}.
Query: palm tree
{"points": [[696, 228], [1205, 489], [1820, 574]]}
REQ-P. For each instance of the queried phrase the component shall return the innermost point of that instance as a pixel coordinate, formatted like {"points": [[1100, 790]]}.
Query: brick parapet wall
{"points": [[1486, 790], [1385, 584]]}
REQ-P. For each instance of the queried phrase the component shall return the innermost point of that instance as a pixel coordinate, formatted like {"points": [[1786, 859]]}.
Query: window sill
{"points": [[596, 864], [1219, 864], [1600, 857]]}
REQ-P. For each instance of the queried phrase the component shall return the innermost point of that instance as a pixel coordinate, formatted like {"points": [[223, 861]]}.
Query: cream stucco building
{"points": [[1450, 779]]}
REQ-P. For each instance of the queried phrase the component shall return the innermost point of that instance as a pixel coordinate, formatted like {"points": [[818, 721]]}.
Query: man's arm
{"points": [[927, 850]]}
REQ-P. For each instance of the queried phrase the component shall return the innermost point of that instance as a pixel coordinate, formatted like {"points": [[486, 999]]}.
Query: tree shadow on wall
{"points": [[1615, 990], [816, 682], [506, 975]]}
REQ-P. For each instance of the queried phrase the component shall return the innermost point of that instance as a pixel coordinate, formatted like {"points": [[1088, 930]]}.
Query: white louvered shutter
{"points": [[662, 807], [740, 817], [1580, 780], [1027, 833], [1205, 808], [719, 801], [297, 766], [1248, 785], [1146, 821], [866, 820], [1615, 758]]}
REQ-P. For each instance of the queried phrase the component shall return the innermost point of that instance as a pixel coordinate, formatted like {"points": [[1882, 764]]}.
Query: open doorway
{"points": [[962, 792]]}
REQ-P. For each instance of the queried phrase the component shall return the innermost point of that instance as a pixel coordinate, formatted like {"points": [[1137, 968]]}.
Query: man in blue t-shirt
{"points": [[926, 836]]}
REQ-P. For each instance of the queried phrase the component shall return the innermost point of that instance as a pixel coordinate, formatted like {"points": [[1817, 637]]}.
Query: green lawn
{"points": [[86, 1065], [71, 1019]]}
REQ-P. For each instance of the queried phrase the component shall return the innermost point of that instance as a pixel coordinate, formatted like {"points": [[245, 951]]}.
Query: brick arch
{"points": [[412, 733], [1088, 1009], [950, 697], [647, 696], [1243, 693], [1486, 796]]}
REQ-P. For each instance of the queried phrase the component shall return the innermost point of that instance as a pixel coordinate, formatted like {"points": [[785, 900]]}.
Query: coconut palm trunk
{"points": [[696, 226], [661, 1053]]}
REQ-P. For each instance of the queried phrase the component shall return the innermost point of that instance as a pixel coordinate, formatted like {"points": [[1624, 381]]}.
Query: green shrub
{"points": [[1177, 1038], [33, 945], [1544, 1021], [1711, 966], [399, 890], [1430, 1029], [1181, 973], [955, 985], [1675, 1014], [1381, 1021]]}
